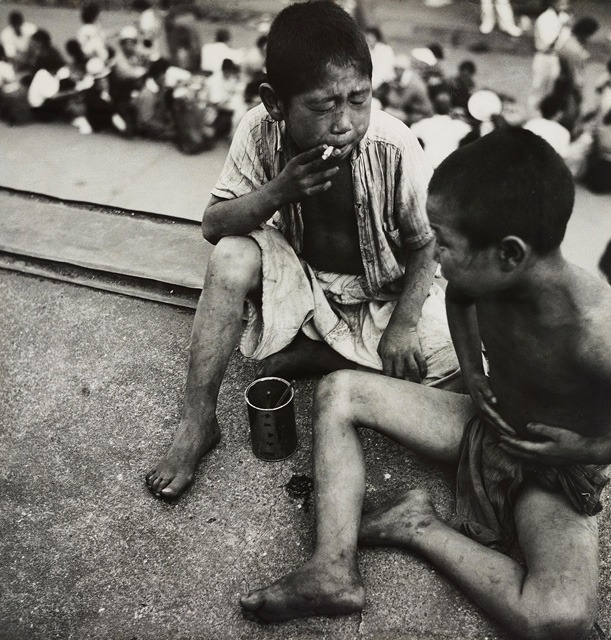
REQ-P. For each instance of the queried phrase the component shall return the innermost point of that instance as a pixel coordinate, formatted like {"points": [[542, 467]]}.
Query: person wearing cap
{"points": [[405, 96], [128, 72], [546, 65]]}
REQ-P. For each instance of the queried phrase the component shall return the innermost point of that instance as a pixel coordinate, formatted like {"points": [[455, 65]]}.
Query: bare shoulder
{"points": [[592, 297]]}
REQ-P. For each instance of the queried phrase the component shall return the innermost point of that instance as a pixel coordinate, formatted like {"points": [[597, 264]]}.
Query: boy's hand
{"points": [[401, 354], [305, 175], [485, 402], [555, 446]]}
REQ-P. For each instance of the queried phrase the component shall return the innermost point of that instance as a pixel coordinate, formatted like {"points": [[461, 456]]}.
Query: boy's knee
{"points": [[560, 620], [236, 260], [335, 392]]}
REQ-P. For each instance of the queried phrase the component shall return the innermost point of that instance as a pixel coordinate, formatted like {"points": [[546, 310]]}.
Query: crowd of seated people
{"points": [[125, 82], [155, 78]]}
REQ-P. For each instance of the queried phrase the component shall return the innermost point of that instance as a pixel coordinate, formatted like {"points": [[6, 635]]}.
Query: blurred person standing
{"points": [[15, 37], [546, 64], [498, 13]]}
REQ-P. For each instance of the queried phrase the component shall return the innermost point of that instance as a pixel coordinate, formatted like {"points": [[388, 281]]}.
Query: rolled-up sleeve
{"points": [[411, 183], [243, 170]]}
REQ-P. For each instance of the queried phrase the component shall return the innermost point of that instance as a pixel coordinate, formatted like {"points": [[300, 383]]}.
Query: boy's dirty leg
{"points": [[233, 272]]}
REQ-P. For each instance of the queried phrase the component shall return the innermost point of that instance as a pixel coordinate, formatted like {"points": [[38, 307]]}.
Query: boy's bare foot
{"points": [[303, 357], [399, 522], [316, 589], [175, 471]]}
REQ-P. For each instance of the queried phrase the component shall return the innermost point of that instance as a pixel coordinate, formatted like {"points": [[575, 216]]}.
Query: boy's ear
{"points": [[511, 252], [272, 102]]}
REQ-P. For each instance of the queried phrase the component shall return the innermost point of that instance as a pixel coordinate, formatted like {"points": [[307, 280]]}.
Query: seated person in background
{"points": [[441, 133], [462, 85], [153, 104], [254, 60], [182, 34], [427, 61], [149, 28], [548, 125], [226, 94], [350, 289], [573, 56], [499, 208], [90, 35], [598, 172], [405, 96], [15, 37], [215, 53], [128, 71], [603, 90], [605, 263], [382, 58], [51, 92], [574, 152]]}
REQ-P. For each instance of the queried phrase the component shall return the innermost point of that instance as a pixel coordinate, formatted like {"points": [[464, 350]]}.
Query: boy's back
{"points": [[550, 360]]}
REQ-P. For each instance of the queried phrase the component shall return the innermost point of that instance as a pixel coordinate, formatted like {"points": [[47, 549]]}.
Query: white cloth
{"points": [[214, 53], [547, 28], [92, 41], [383, 62], [440, 135], [333, 308], [15, 44], [552, 132]]}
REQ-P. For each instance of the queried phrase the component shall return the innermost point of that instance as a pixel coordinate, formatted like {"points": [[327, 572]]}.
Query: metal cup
{"points": [[272, 429]]}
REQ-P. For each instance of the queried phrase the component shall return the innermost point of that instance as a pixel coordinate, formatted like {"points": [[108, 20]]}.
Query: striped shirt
{"points": [[390, 176]]}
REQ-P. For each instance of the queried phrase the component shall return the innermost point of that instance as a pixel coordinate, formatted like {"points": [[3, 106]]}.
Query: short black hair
{"points": [[222, 35], [90, 13], [509, 182], [305, 38], [376, 32], [437, 50], [585, 27], [551, 105], [42, 36], [141, 5], [468, 66], [15, 19], [74, 50]]}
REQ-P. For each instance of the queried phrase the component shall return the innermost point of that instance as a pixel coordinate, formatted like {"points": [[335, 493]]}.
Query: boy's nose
{"points": [[341, 122]]}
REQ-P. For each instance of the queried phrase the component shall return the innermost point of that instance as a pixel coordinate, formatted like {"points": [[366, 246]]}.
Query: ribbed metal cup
{"points": [[272, 429]]}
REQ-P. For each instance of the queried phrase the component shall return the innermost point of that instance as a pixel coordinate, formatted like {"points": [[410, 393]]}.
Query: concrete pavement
{"points": [[91, 385]]}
